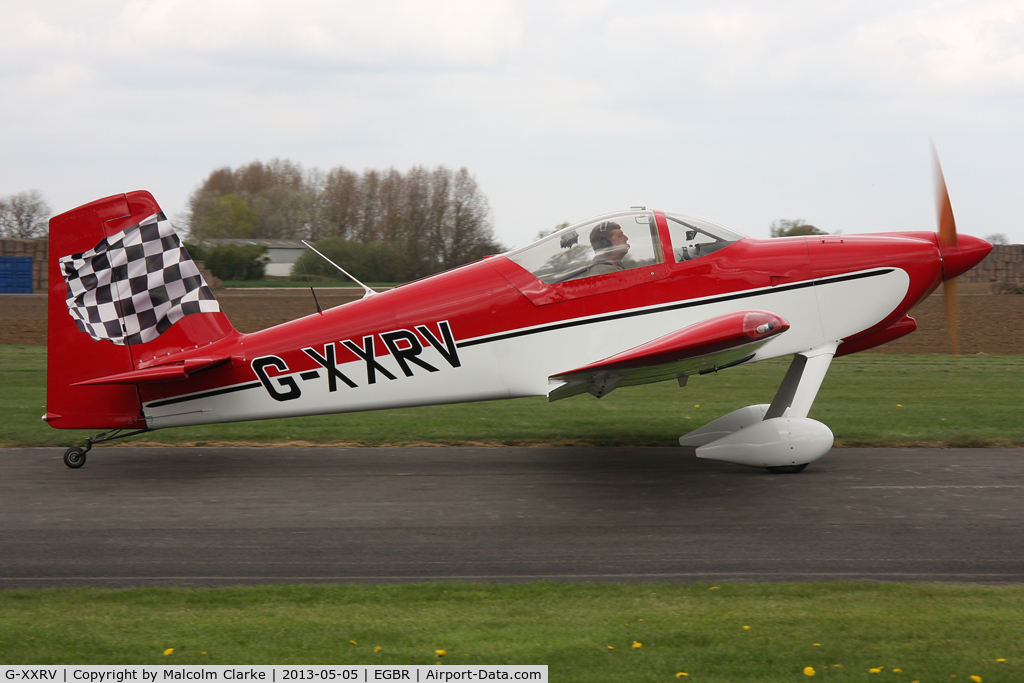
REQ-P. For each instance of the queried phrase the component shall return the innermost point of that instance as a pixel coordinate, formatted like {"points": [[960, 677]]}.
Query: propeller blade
{"points": [[947, 226], [947, 238]]}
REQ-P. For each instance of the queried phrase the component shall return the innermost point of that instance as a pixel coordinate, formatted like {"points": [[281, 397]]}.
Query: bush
{"points": [[232, 261], [367, 261]]}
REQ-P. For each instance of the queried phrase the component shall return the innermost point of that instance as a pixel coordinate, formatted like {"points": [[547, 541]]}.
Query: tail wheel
{"points": [[74, 457]]}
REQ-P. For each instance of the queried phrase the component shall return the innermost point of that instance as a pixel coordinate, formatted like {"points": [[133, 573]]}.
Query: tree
{"points": [[465, 234], [24, 215], [227, 216], [997, 238], [341, 194], [787, 228], [550, 231], [436, 218]]}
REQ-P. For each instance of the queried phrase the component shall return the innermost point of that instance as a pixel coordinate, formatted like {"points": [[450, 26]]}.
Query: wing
{"points": [[704, 347]]}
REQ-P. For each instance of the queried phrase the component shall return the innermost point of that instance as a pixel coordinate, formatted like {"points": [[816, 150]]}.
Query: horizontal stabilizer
{"points": [[706, 346], [158, 373]]}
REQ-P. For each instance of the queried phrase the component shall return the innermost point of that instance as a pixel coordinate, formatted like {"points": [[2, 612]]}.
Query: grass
{"points": [[929, 632], [867, 400], [582, 632]]}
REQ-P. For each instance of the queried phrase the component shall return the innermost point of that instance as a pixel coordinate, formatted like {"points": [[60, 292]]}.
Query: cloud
{"points": [[561, 108], [857, 48], [398, 34], [976, 46]]}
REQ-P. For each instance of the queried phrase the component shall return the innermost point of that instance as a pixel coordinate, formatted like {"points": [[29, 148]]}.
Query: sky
{"points": [[741, 112]]}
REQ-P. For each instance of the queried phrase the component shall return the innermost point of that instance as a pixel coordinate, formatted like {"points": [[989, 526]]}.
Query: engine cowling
{"points": [[778, 442]]}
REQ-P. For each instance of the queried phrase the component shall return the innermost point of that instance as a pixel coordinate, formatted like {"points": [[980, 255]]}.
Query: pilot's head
{"points": [[608, 239]]}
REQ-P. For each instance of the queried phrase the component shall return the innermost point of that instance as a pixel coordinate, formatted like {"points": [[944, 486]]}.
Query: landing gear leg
{"points": [[778, 437], [799, 388], [801, 383], [74, 457]]}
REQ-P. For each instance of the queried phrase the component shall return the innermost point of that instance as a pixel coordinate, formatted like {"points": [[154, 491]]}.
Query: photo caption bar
{"points": [[365, 673]]}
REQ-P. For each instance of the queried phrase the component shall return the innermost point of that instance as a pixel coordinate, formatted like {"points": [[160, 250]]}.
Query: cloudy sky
{"points": [[739, 111]]}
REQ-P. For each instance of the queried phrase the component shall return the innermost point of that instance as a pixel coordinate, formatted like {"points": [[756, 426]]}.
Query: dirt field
{"points": [[991, 324]]}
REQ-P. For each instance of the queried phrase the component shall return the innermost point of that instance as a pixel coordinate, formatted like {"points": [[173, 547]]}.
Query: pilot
{"points": [[610, 247]]}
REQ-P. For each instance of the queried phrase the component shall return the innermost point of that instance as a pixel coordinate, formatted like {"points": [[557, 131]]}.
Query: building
{"points": [[23, 267], [282, 253]]}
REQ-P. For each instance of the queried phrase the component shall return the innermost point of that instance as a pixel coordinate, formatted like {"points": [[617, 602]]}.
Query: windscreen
{"points": [[694, 237]]}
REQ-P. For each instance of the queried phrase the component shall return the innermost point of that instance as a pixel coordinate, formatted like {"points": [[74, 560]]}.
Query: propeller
{"points": [[947, 242]]}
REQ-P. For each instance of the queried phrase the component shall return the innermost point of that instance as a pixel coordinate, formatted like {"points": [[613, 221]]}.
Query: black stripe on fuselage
{"points": [[205, 394], [575, 323], [672, 307]]}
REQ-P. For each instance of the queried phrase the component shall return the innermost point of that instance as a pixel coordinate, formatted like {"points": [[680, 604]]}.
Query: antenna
{"points": [[315, 300], [366, 290]]}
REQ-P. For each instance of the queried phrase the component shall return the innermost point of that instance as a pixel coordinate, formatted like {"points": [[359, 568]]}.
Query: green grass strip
{"points": [[866, 399], [583, 632]]}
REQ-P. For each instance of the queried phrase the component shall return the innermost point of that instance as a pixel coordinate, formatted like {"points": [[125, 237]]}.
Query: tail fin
{"points": [[123, 293]]}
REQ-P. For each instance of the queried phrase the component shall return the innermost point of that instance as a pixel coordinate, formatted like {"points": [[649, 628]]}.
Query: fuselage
{"points": [[493, 330]]}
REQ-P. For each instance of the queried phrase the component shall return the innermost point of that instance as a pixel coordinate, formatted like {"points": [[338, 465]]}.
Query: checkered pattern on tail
{"points": [[132, 286]]}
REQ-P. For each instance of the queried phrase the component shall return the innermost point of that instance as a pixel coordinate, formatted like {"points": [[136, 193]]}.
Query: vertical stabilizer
{"points": [[123, 293]]}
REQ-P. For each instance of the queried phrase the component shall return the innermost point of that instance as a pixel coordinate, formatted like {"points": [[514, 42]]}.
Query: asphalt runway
{"points": [[220, 516]]}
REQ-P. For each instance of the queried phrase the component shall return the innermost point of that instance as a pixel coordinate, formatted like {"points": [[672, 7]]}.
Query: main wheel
{"points": [[74, 457], [787, 469]]}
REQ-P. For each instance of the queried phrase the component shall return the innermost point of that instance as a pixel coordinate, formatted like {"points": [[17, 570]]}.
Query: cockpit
{"points": [[620, 241]]}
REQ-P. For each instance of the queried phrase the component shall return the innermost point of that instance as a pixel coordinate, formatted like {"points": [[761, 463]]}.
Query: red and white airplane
{"points": [[138, 342]]}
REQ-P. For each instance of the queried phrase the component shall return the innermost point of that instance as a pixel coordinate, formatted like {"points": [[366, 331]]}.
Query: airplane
{"points": [[138, 342]]}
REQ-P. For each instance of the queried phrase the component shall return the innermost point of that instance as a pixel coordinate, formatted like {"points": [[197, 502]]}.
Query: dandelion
{"points": [[637, 646], [876, 670], [713, 588], [976, 679], [353, 642], [809, 671], [899, 405], [378, 648], [611, 647], [641, 620], [681, 674], [169, 651], [817, 645], [1000, 660], [697, 405], [440, 653], [897, 671], [746, 628]]}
